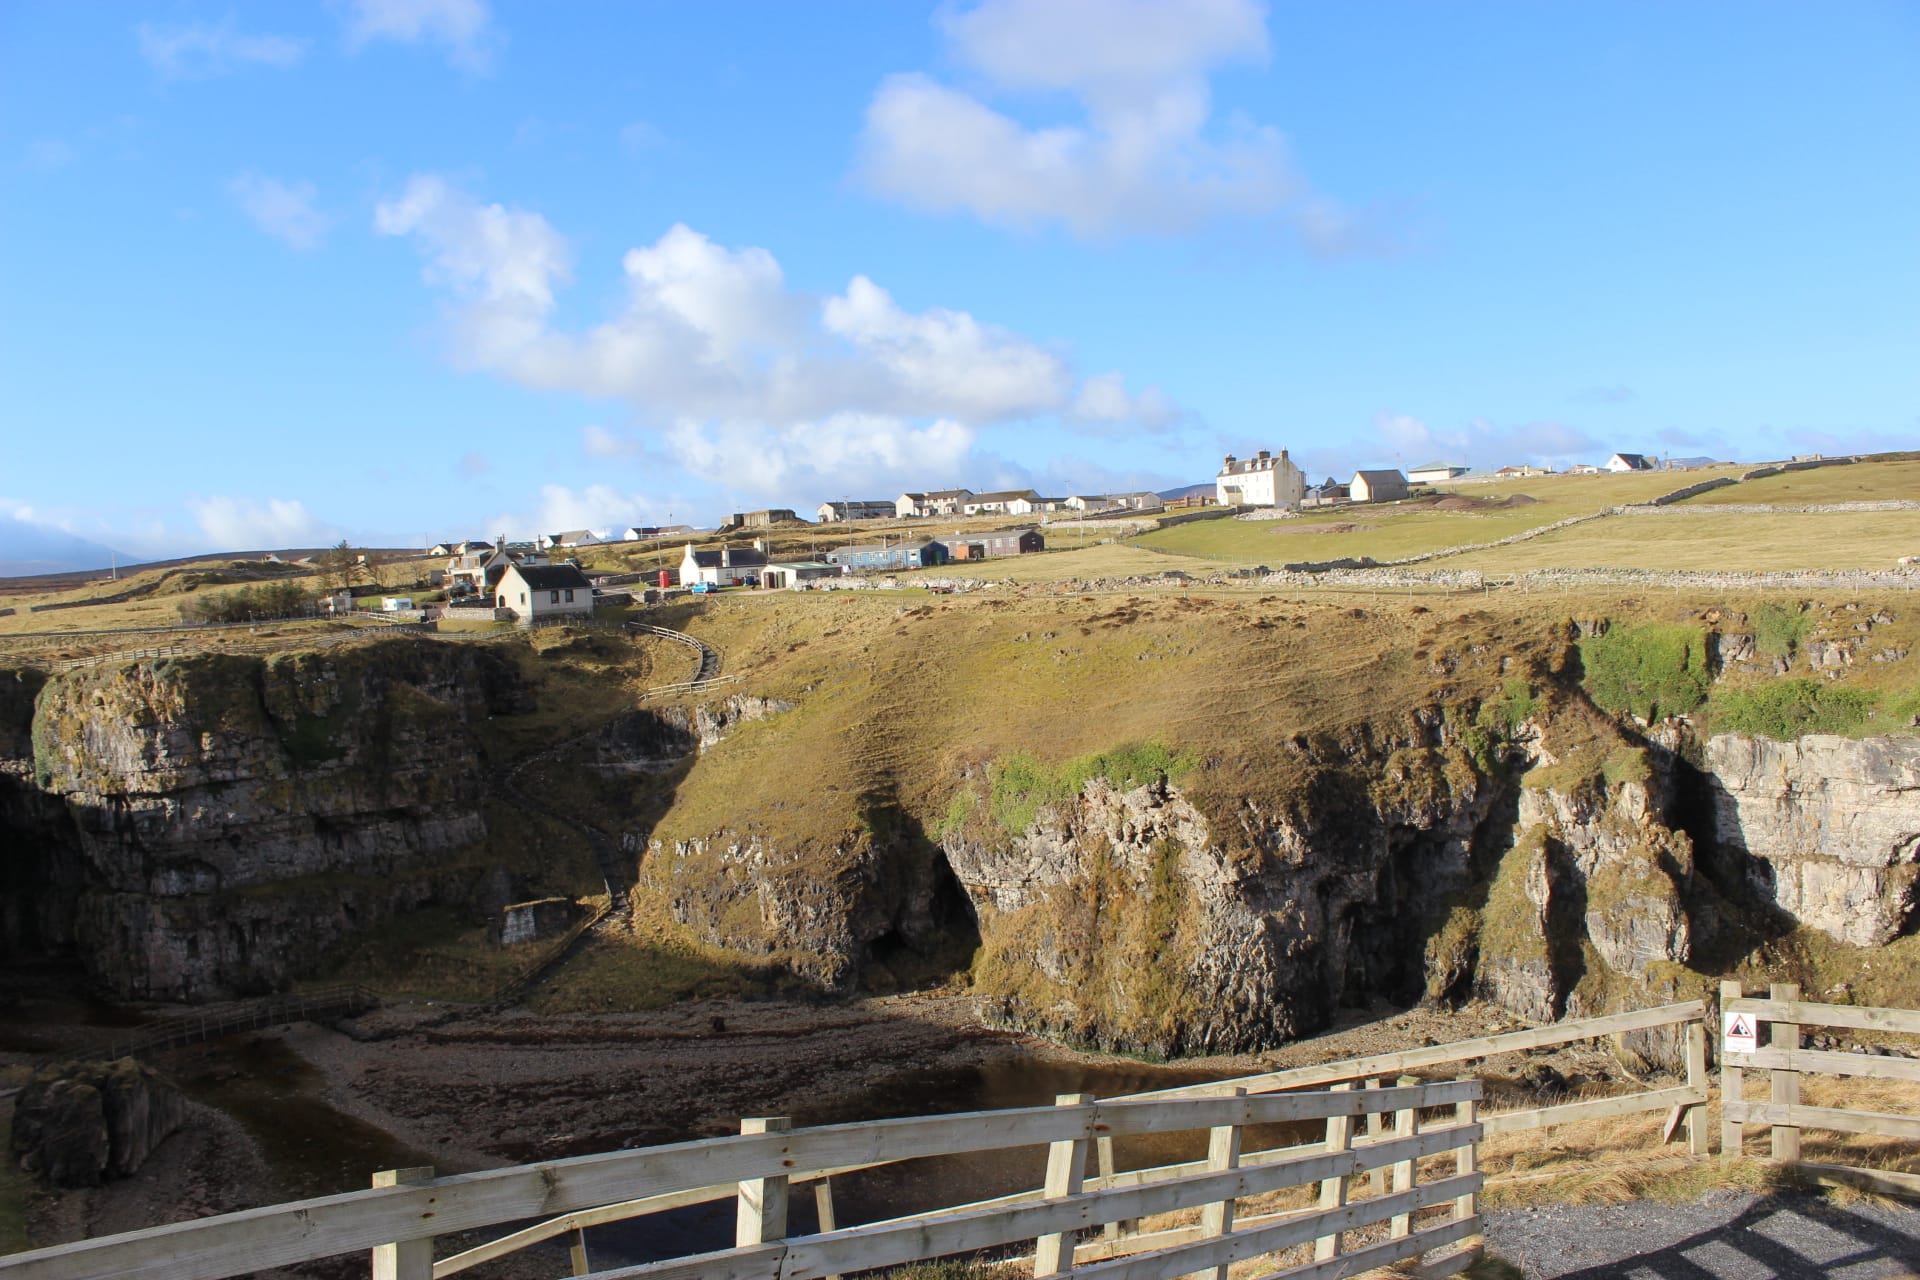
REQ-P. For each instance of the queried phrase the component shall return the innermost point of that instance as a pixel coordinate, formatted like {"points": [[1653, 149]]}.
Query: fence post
{"points": [[823, 1208], [1223, 1153], [404, 1259], [1785, 1084], [1466, 1159], [1103, 1155], [761, 1204], [1376, 1127], [1733, 1086], [1697, 1080], [1333, 1191], [577, 1252], [1406, 1123], [1066, 1175]]}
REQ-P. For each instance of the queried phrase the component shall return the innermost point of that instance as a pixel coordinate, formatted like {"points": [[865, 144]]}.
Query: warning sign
{"points": [[1742, 1035]]}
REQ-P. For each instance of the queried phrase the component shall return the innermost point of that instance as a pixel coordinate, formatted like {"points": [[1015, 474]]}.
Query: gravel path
{"points": [[1727, 1235]]}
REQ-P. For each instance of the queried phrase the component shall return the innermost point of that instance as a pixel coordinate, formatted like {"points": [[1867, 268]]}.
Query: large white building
{"points": [[1260, 481]]}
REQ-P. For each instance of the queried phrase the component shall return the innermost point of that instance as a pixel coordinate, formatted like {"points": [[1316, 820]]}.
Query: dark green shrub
{"points": [[1785, 709], [1655, 670]]}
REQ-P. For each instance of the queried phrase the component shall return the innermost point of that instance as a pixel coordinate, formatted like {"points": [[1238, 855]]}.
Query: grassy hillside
{"points": [[1861, 482], [1465, 513], [1678, 538]]}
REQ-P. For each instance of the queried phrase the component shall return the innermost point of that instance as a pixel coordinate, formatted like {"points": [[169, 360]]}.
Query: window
{"points": [[554, 597], [569, 595], [523, 597]]}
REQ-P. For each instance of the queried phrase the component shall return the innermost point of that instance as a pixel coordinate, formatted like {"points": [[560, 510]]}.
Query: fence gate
{"points": [[1765, 1034]]}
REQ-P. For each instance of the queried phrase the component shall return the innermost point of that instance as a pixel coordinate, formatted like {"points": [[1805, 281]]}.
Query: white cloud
{"points": [[1104, 406], [49, 153], [861, 454], [603, 508], [246, 524], [283, 210], [1482, 443], [638, 136], [713, 334], [1148, 155], [202, 50], [464, 27]]}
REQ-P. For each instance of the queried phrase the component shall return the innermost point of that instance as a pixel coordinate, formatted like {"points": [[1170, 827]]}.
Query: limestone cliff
{"points": [[222, 821], [1825, 828], [1125, 917]]}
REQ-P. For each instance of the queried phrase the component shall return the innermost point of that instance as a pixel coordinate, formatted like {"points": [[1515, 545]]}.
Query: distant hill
{"points": [[28, 547], [1192, 490]]}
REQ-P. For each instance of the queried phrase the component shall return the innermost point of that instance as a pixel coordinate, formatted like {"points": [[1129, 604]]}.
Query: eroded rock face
{"points": [[1122, 919], [232, 818], [80, 1124], [1826, 828]]}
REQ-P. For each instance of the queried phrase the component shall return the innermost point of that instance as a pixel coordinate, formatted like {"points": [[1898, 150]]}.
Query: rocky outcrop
{"points": [[80, 1124], [1825, 828], [223, 821], [824, 913], [1126, 919]]}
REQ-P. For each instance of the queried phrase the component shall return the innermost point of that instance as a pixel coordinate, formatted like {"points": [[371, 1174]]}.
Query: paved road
{"points": [[1781, 1235]]}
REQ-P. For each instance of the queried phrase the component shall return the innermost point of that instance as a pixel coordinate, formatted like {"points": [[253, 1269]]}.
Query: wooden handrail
{"points": [[284, 1234]]}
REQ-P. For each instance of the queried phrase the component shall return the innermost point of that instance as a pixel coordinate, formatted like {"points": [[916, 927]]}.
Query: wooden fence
{"points": [[1775, 1025], [337, 1001], [399, 1217], [1684, 1104]]}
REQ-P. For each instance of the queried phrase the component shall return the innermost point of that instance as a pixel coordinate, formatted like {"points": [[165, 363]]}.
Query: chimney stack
{"points": [[726, 556], [1229, 465]]}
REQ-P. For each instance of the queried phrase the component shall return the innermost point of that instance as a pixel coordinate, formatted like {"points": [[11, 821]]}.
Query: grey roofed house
{"points": [[1690, 464], [553, 577], [735, 558]]}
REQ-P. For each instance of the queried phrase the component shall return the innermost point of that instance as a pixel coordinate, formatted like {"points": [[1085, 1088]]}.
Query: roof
{"points": [[853, 547], [945, 493], [1438, 466], [741, 558], [1005, 495], [1380, 477], [1638, 461], [552, 577]]}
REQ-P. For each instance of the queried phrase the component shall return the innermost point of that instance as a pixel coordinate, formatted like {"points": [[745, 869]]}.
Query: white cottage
{"points": [[1260, 481], [535, 592]]}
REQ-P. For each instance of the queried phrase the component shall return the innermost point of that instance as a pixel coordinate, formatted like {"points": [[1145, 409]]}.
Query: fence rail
{"points": [[398, 1218], [321, 1002], [1778, 1052]]}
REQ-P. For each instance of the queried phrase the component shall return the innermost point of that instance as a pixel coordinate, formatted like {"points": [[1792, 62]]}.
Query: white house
{"points": [[1001, 502], [1621, 462], [1435, 472], [934, 502], [855, 509], [1260, 481], [571, 538], [723, 566], [533, 592]]}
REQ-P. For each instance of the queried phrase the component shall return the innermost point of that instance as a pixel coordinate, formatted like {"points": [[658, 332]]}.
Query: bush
{"points": [[1778, 629], [1652, 671], [268, 600], [1785, 709], [1021, 786]]}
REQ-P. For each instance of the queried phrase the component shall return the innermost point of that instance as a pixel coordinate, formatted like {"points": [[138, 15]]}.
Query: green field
{"points": [[1682, 539], [1391, 531], [1860, 482]]}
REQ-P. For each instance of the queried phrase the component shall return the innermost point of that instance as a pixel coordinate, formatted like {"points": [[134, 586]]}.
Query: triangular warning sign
{"points": [[1739, 1027]]}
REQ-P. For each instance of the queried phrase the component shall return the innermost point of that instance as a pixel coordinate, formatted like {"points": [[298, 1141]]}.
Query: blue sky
{"points": [[379, 269]]}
